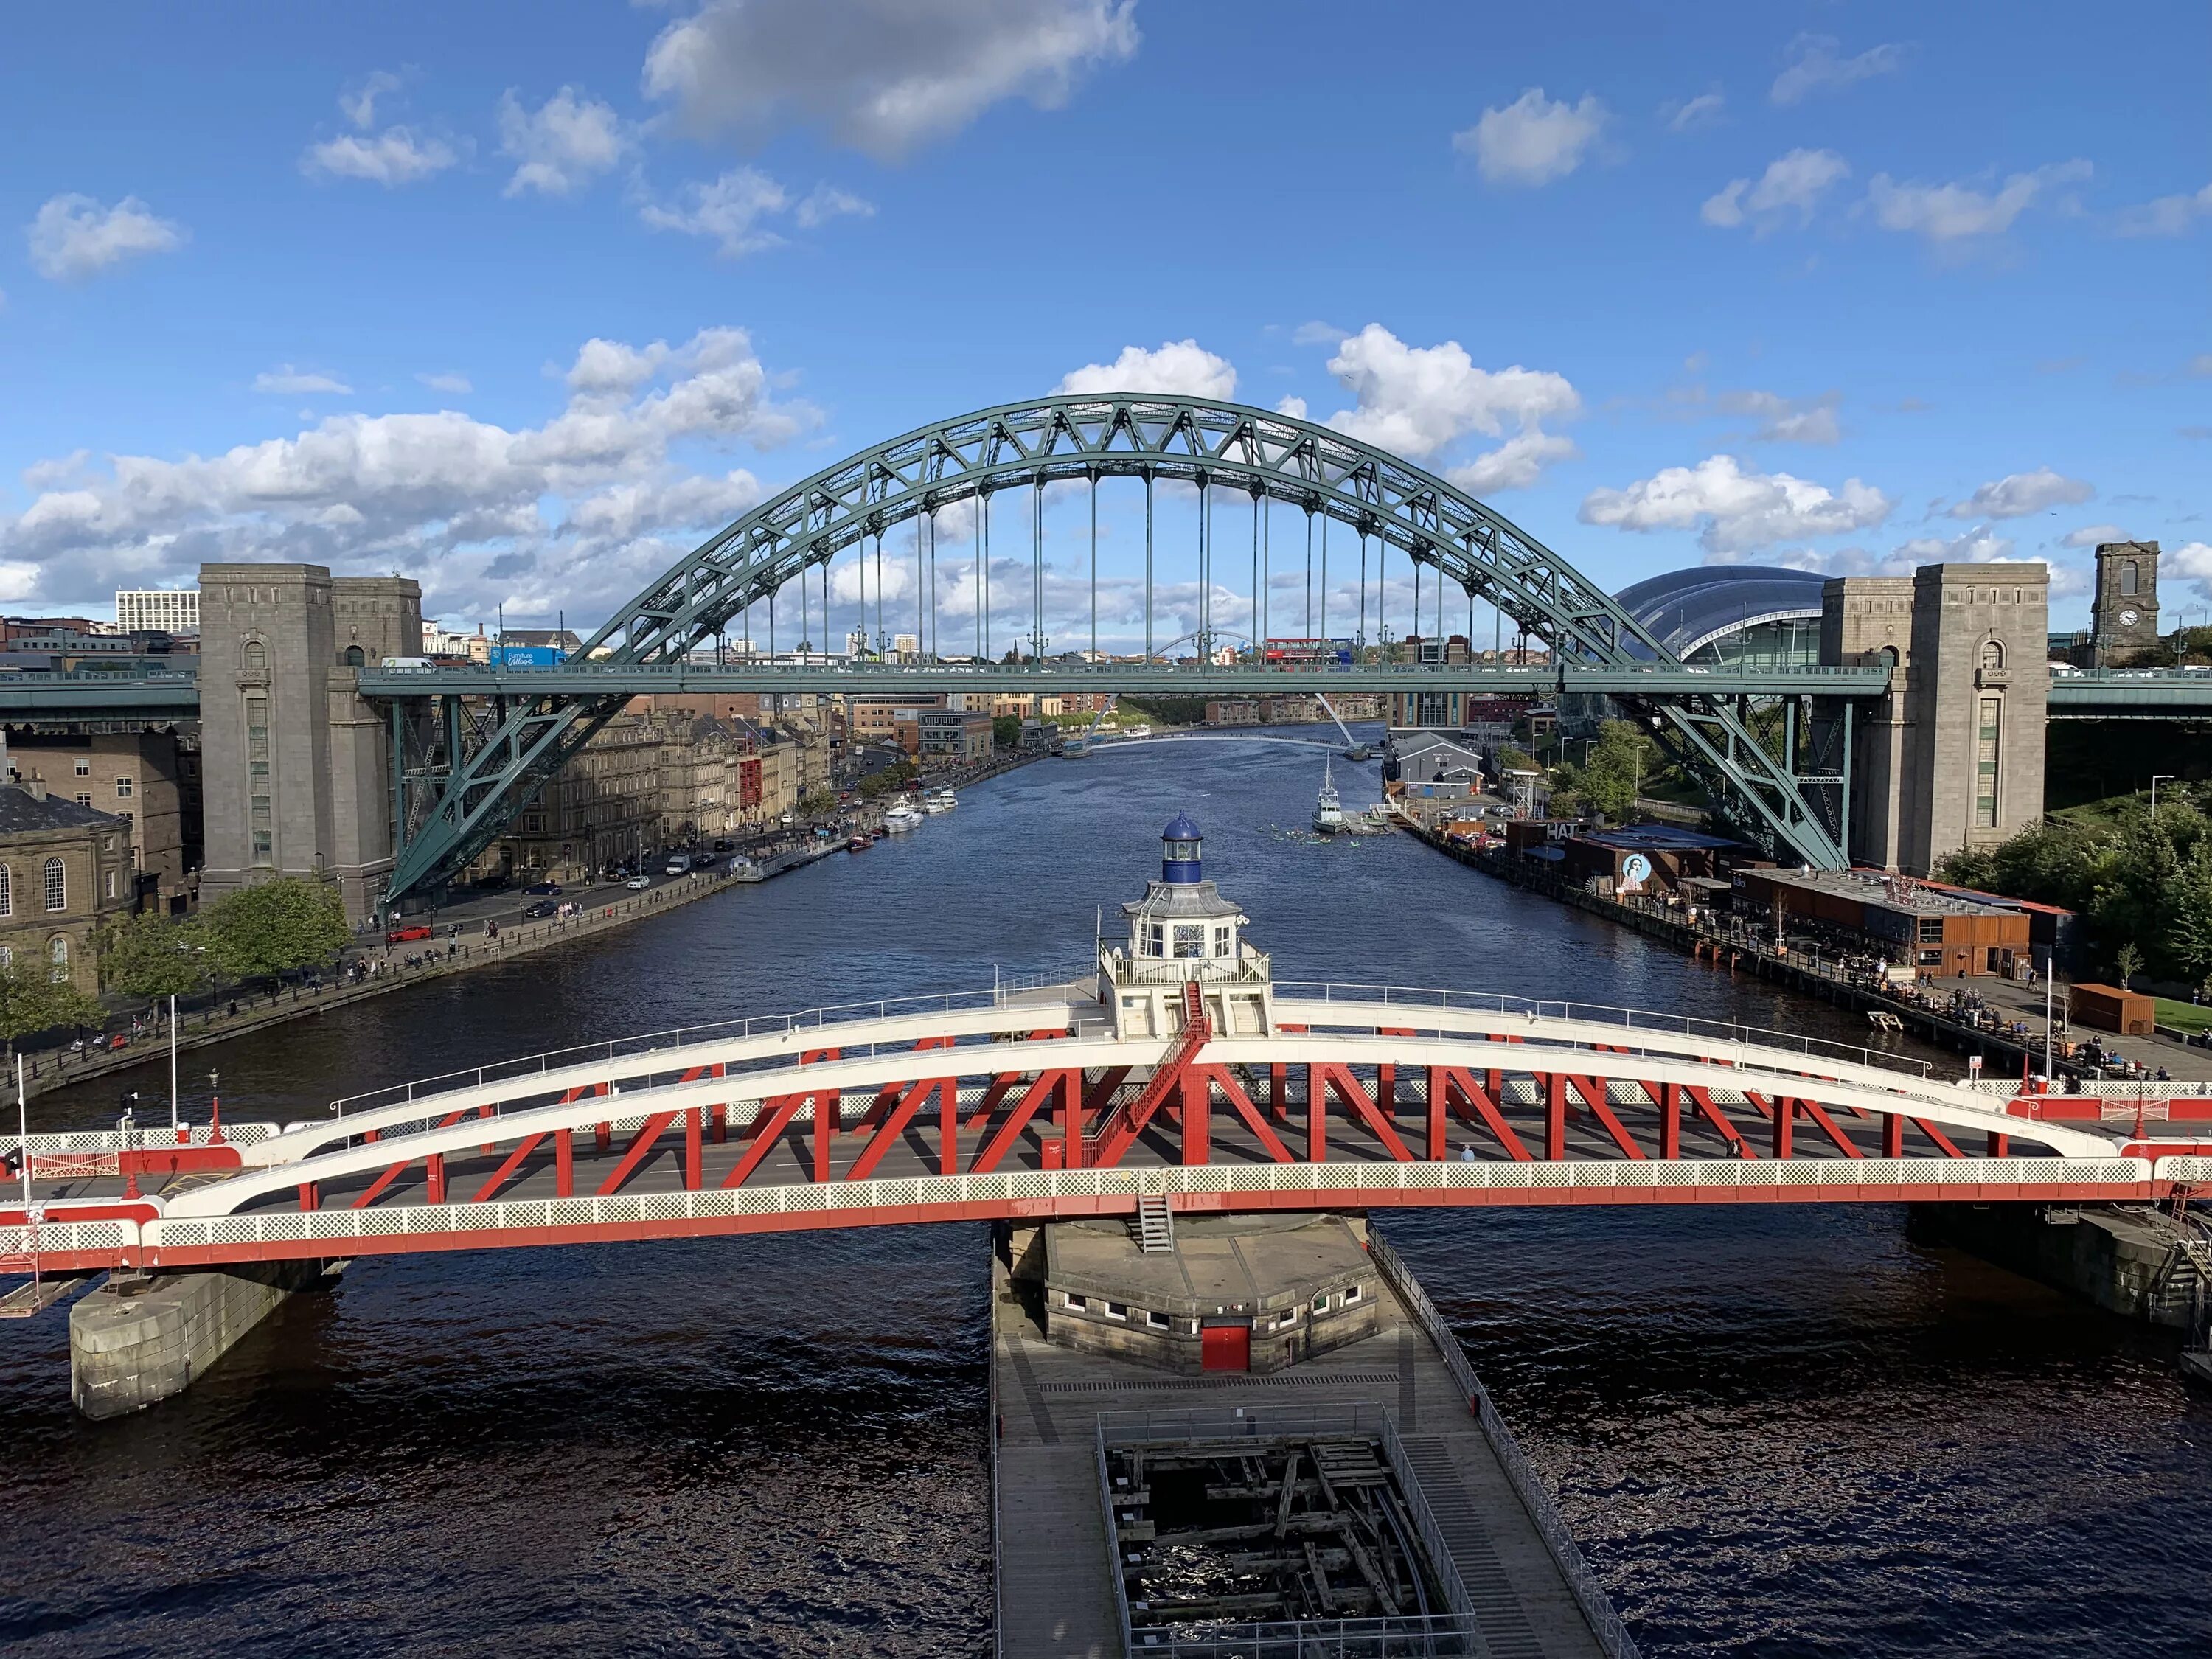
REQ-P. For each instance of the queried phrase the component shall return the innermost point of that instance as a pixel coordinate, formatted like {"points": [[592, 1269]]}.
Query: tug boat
{"points": [[1329, 811]]}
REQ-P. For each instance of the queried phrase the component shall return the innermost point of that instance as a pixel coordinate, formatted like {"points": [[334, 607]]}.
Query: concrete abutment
{"points": [[2133, 1259], [137, 1340]]}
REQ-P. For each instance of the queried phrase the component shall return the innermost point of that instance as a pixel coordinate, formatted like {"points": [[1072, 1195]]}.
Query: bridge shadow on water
{"points": [[1779, 1431]]}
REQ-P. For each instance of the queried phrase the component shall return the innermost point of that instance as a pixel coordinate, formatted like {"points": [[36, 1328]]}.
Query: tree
{"points": [[1611, 773], [1515, 760], [888, 779], [257, 933], [2189, 934], [31, 1000], [818, 802], [1007, 731], [2127, 963], [147, 955]]}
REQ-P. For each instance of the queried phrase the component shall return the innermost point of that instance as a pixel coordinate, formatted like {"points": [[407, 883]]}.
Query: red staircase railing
{"points": [[1127, 1119]]}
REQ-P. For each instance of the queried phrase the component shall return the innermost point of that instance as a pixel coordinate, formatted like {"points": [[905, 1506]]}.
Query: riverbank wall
{"points": [[137, 1341]]}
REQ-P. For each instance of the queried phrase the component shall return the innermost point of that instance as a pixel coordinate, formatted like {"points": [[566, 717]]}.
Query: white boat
{"points": [[1328, 812], [1138, 731], [900, 819], [936, 804]]}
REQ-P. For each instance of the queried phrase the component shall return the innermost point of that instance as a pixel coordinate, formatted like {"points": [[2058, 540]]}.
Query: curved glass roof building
{"points": [[1749, 615]]}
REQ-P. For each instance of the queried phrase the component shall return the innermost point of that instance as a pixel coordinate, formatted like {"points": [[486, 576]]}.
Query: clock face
{"points": [[2130, 617]]}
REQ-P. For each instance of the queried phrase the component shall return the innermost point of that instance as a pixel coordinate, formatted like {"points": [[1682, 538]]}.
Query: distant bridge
{"points": [[1025, 1102]]}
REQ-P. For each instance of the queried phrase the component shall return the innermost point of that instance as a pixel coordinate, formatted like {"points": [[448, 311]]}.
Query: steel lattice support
{"points": [[1055, 440]]}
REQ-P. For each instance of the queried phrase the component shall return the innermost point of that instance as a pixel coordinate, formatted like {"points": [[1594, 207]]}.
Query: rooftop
{"points": [[1904, 894], [23, 812]]}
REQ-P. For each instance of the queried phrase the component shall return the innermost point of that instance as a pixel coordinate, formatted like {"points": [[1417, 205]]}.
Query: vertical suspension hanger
{"points": [[1094, 566], [1148, 564]]}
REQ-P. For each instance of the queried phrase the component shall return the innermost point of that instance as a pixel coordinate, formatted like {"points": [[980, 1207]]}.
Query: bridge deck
{"points": [[1054, 1596]]}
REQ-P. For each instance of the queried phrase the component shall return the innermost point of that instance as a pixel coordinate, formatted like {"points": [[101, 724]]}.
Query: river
{"points": [[1787, 1431]]}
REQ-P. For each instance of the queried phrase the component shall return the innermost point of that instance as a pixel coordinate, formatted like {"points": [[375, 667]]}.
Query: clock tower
{"points": [[2124, 619]]}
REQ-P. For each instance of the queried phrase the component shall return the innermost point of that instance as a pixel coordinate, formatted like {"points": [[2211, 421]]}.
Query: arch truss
{"points": [[482, 768]]}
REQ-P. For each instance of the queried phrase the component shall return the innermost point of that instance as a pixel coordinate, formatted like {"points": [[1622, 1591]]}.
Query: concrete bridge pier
{"points": [[141, 1338], [2134, 1260]]}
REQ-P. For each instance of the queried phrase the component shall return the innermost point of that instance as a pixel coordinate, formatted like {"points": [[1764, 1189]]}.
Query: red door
{"points": [[1225, 1347]]}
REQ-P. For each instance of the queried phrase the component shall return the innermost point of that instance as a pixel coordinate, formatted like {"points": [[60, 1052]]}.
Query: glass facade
{"points": [[1988, 729]]}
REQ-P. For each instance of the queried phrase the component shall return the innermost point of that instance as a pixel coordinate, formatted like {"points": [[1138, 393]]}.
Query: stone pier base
{"points": [[2126, 1257], [134, 1341]]}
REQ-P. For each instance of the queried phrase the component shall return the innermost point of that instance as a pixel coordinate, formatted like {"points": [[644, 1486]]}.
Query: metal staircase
{"points": [[1126, 1122], [1154, 1228]]}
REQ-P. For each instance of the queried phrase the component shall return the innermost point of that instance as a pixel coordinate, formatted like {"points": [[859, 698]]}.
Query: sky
{"points": [[526, 301]]}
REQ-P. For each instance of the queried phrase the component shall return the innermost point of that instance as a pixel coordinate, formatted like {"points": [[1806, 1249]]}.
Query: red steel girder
{"points": [[1702, 1098], [1593, 1091], [1327, 1075], [1066, 1083], [640, 1144], [1219, 1077], [1460, 1085]]}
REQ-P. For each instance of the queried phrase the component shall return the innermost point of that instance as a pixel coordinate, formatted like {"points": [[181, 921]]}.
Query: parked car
{"points": [[540, 910], [542, 887], [638, 883], [408, 934]]}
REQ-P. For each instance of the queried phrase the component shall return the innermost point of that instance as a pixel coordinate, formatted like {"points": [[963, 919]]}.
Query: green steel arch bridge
{"points": [[472, 746]]}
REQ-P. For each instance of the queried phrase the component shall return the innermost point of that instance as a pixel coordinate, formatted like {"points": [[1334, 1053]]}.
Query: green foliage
{"points": [[818, 802], [2143, 879], [888, 779], [2127, 963], [147, 955], [261, 932], [1611, 775], [1007, 731], [31, 1001], [1515, 760]]}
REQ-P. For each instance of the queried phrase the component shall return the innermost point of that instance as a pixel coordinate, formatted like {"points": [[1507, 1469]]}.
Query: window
{"points": [[1992, 654], [1117, 1311], [1221, 941], [111, 884], [1932, 930], [7, 956], [125, 788], [1078, 1302], [85, 799], [1351, 1294], [1154, 945], [57, 958], [1991, 725], [1189, 938], [2128, 579], [259, 815], [253, 656], [1158, 1322], [57, 885], [355, 658], [1321, 1305], [1288, 1316], [7, 891], [84, 768]]}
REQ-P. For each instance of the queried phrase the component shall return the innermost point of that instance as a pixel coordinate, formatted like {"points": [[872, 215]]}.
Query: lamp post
{"points": [[2157, 778]]}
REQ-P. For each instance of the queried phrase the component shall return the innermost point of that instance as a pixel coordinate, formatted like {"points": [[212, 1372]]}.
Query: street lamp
{"points": [[2157, 778]]}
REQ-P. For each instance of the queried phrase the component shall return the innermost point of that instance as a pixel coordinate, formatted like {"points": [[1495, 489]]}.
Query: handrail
{"points": [[1595, 1013], [1588, 1592]]}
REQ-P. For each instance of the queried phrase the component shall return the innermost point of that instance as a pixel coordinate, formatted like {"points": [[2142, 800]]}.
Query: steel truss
{"points": [[1058, 440]]}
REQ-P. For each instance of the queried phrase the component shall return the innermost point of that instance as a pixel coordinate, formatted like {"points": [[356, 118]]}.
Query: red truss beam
{"points": [[1219, 1077], [1328, 1075], [768, 1125], [1702, 1098], [1460, 1087], [640, 1144], [1593, 1091], [894, 1124], [1069, 1085], [375, 1188]]}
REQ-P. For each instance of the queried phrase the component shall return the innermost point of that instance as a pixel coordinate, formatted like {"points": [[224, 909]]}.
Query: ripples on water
{"points": [[1779, 1431]]}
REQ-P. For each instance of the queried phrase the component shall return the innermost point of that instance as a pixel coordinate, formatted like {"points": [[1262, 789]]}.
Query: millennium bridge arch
{"points": [[488, 769]]}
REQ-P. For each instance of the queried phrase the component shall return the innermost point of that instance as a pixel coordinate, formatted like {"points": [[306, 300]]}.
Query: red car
{"points": [[414, 930]]}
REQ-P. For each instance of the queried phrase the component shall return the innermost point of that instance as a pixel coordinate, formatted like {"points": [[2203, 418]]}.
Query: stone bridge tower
{"points": [[1953, 756], [296, 767]]}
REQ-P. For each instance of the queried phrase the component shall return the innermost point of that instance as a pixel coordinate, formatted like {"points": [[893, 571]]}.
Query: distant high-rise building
{"points": [[158, 610]]}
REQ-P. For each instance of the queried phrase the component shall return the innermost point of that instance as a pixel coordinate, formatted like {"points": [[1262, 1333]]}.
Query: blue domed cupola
{"points": [[1179, 852]]}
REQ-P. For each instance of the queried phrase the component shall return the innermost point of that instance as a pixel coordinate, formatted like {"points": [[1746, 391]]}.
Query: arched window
{"points": [[7, 891], [354, 657], [58, 955], [253, 656], [56, 884], [2128, 579], [1992, 654], [1886, 657]]}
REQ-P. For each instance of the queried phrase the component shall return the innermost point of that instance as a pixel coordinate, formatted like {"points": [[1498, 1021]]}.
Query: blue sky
{"points": [[524, 301]]}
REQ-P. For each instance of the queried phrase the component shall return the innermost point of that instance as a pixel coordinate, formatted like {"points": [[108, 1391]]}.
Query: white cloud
{"points": [[2168, 216], [570, 140], [729, 211], [286, 381], [1792, 182], [882, 76], [447, 381], [1736, 508], [1180, 367], [1815, 66], [2090, 534], [394, 156], [1514, 464], [1292, 405], [1980, 545], [1703, 111], [1316, 333], [73, 237], [1415, 400], [2190, 561], [360, 105], [2019, 494], [826, 201], [563, 512], [1956, 212], [1532, 140], [1786, 420]]}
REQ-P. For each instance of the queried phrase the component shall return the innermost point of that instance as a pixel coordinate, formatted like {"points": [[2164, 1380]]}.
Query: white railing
{"points": [[1588, 1591], [1323, 1183], [2129, 1089], [149, 1137], [1631, 1019]]}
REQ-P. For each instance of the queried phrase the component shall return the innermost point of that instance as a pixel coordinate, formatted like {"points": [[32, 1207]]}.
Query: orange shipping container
{"points": [[2109, 1008]]}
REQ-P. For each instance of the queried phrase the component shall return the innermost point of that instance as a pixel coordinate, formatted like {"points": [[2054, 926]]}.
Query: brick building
{"points": [[64, 869]]}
